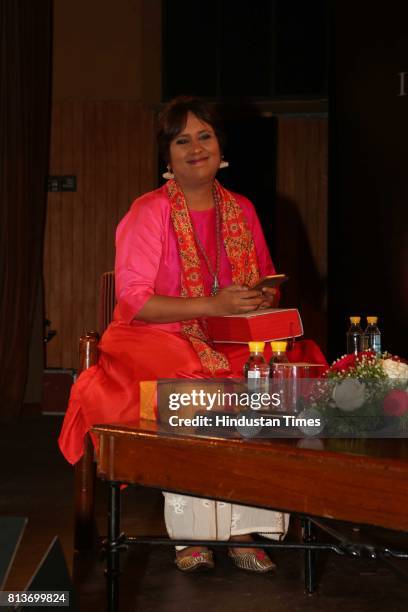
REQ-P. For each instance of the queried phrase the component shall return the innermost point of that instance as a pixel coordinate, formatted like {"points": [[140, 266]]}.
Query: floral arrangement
{"points": [[363, 392]]}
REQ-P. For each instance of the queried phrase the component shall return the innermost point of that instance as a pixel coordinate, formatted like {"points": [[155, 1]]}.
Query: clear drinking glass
{"points": [[293, 381]]}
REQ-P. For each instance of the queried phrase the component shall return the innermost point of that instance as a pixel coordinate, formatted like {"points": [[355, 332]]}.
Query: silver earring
{"points": [[223, 164], [168, 175]]}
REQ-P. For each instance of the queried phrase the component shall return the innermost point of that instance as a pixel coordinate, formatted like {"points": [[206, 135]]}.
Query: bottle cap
{"points": [[355, 320], [372, 320], [279, 347], [256, 347]]}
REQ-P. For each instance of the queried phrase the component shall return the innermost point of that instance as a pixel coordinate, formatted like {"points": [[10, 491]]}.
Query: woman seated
{"points": [[186, 251]]}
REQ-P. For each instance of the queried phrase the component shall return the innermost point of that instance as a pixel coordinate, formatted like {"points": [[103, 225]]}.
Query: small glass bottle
{"points": [[279, 372], [256, 370], [372, 336], [278, 352], [354, 336]]}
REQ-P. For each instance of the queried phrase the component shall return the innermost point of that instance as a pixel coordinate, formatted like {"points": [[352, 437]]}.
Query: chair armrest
{"points": [[88, 350], [84, 478]]}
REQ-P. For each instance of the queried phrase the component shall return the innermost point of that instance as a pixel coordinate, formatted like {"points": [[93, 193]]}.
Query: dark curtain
{"points": [[25, 89], [368, 229]]}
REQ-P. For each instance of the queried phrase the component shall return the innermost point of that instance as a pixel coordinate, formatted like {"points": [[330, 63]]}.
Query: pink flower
{"points": [[348, 362], [396, 403], [396, 358], [345, 363]]}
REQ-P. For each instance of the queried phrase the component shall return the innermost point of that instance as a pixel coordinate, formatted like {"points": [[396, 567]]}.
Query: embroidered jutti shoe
{"points": [[196, 560], [252, 561]]}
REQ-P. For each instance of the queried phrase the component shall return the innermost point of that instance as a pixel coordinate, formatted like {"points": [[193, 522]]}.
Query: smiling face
{"points": [[195, 153]]}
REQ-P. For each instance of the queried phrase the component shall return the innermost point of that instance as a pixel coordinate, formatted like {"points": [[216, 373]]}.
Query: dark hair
{"points": [[173, 118]]}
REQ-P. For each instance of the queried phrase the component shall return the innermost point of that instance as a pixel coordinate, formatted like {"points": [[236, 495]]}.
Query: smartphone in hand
{"points": [[273, 280]]}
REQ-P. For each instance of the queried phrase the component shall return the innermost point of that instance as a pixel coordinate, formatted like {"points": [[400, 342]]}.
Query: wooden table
{"points": [[363, 481]]}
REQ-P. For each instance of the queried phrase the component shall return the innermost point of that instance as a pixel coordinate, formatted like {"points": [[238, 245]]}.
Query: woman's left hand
{"points": [[271, 298]]}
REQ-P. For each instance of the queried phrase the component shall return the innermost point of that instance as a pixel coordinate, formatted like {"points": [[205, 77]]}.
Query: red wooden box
{"points": [[261, 325]]}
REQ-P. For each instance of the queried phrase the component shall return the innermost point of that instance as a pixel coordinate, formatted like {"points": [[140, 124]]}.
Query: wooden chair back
{"points": [[107, 300]]}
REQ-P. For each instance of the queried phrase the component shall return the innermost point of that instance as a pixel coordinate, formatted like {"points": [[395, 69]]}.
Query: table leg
{"points": [[113, 550], [310, 569]]}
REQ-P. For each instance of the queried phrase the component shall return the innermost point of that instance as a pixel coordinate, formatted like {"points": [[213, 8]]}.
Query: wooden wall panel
{"points": [[110, 148], [301, 218]]}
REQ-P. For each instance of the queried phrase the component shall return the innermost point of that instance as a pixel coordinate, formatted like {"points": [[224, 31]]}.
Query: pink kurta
{"points": [[147, 257], [148, 263]]}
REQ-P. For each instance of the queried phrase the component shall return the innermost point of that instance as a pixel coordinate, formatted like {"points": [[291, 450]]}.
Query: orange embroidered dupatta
{"points": [[240, 249]]}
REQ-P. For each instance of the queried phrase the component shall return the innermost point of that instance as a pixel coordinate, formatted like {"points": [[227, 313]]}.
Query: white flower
{"points": [[394, 369], [314, 416], [349, 394]]}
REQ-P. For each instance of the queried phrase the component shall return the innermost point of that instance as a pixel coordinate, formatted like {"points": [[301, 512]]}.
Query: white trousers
{"points": [[194, 518]]}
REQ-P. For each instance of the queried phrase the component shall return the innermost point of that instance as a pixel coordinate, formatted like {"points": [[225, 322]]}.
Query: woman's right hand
{"points": [[236, 299]]}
